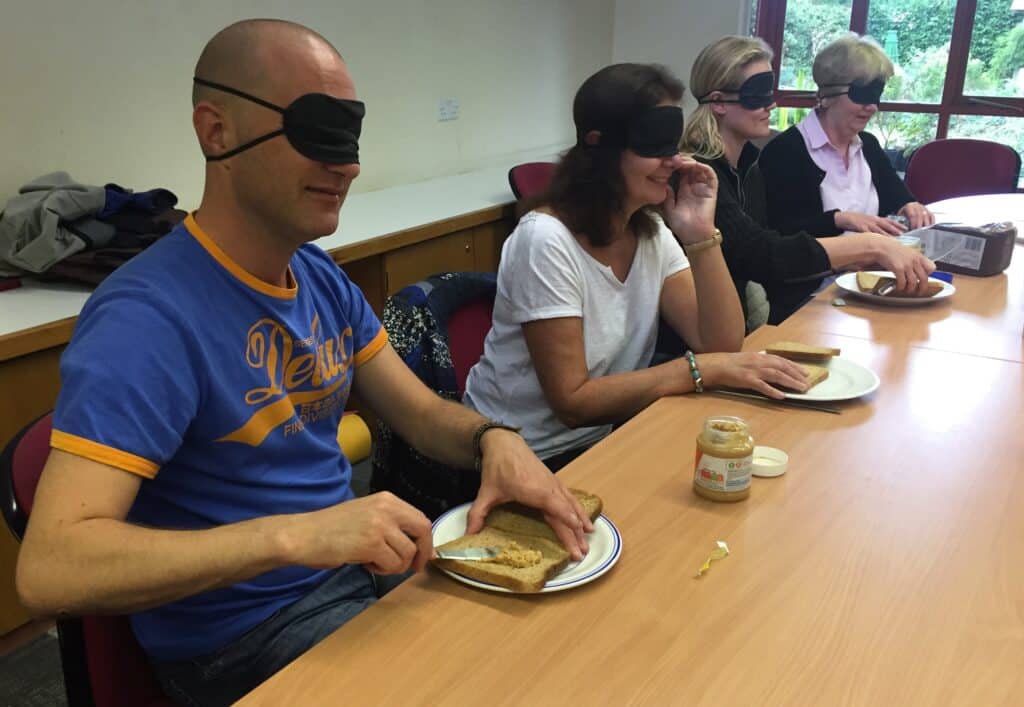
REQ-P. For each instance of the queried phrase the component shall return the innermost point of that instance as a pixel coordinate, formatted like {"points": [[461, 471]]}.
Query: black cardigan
{"points": [[793, 185], [790, 267]]}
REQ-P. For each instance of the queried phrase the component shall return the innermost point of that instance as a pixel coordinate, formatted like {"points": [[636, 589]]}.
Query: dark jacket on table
{"points": [[793, 185], [790, 267]]}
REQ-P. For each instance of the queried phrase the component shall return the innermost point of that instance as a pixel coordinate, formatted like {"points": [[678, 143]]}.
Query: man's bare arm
{"points": [[80, 555]]}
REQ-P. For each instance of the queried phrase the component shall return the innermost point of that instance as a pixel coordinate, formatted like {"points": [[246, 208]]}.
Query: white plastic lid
{"points": [[769, 461]]}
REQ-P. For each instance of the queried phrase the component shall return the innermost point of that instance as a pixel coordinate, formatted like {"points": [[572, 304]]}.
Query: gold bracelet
{"points": [[716, 238]]}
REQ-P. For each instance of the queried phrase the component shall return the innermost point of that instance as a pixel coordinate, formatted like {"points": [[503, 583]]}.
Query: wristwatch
{"points": [[478, 455], [711, 242]]}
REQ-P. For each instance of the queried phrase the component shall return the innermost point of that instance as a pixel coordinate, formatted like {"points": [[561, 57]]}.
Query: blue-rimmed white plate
{"points": [[605, 548]]}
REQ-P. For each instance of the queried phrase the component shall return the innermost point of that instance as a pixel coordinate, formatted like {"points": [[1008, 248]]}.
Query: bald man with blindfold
{"points": [[195, 481]]}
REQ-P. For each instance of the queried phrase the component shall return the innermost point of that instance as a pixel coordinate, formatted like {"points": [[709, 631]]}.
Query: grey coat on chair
{"points": [[51, 218]]}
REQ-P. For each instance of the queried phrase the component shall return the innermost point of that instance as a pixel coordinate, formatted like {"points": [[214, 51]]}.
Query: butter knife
{"points": [[807, 405], [468, 553]]}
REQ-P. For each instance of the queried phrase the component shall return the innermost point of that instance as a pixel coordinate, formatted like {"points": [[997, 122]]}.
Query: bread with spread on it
{"points": [[553, 559], [514, 523]]}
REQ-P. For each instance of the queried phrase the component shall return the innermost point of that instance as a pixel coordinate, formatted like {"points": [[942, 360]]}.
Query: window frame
{"points": [[771, 22]]}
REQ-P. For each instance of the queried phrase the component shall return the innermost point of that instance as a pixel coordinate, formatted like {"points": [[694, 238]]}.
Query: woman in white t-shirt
{"points": [[584, 276]]}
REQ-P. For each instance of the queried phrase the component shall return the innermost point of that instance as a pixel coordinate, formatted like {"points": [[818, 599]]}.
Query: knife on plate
{"points": [[789, 402]]}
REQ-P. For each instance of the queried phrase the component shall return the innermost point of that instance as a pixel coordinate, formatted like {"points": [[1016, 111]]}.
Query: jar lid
{"points": [[769, 461]]}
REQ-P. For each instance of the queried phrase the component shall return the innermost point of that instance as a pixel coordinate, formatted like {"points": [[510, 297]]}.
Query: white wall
{"points": [[101, 88], [672, 32]]}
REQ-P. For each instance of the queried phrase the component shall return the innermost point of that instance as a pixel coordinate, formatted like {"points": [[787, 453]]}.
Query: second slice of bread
{"points": [[521, 520], [802, 352]]}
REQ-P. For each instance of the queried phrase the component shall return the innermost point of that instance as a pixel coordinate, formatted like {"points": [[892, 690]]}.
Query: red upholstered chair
{"points": [[104, 666], [943, 169], [467, 330], [530, 178], [437, 327]]}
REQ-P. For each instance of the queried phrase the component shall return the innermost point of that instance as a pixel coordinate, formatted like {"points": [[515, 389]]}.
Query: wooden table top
{"points": [[884, 568], [984, 317]]}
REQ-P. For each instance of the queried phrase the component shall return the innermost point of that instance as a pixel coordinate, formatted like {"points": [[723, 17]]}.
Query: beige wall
{"points": [[101, 88], [672, 32]]}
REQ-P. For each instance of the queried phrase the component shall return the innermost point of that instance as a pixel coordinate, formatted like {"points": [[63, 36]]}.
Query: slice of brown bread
{"points": [[531, 579], [795, 351], [521, 520], [934, 288], [815, 374], [512, 522], [869, 282]]}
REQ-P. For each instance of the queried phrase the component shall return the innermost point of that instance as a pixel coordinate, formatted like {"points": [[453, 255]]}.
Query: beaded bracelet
{"points": [[698, 381]]}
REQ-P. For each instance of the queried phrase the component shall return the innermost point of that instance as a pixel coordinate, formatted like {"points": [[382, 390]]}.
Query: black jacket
{"points": [[793, 185], [790, 267]]}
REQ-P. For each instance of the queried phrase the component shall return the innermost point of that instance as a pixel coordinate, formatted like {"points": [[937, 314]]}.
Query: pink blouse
{"points": [[844, 188]]}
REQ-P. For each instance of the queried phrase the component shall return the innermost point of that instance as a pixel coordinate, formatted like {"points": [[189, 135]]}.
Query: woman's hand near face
{"points": [[689, 211]]}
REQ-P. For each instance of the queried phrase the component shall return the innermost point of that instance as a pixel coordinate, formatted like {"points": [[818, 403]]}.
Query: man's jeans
{"points": [[223, 677]]}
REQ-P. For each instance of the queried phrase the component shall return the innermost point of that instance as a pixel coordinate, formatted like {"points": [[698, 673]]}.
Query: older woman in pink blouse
{"points": [[827, 175]]}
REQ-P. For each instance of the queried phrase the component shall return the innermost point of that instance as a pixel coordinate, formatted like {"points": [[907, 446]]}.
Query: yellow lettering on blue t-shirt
{"points": [[293, 381]]}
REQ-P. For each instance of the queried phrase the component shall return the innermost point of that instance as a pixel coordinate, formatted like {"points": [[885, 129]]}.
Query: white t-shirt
{"points": [[545, 274]]}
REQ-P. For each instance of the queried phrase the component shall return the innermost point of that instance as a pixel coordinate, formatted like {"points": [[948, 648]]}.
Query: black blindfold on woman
{"points": [[756, 92], [654, 133], [865, 94]]}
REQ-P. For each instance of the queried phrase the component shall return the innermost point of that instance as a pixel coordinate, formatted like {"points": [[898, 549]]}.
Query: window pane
{"points": [[996, 63], [810, 25], [915, 35], [783, 117], [902, 133], [1009, 131]]}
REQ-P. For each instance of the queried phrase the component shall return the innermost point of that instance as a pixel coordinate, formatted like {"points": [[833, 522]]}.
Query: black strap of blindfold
{"points": [[704, 101], [236, 92], [248, 97]]}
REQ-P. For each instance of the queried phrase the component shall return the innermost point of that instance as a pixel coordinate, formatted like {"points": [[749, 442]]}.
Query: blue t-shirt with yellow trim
{"points": [[225, 393]]}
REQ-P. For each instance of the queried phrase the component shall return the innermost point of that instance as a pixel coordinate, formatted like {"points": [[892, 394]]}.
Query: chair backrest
{"points": [[437, 326], [530, 178], [943, 169], [467, 330], [21, 464], [103, 664]]}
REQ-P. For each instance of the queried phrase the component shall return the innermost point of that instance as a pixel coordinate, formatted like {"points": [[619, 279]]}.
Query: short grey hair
{"points": [[851, 59]]}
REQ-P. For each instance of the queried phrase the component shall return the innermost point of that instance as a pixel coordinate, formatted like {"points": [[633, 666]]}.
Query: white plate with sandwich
{"points": [[864, 285], [605, 548], [837, 378]]}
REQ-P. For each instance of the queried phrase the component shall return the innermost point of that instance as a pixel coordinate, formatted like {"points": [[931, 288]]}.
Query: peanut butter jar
{"points": [[724, 459]]}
